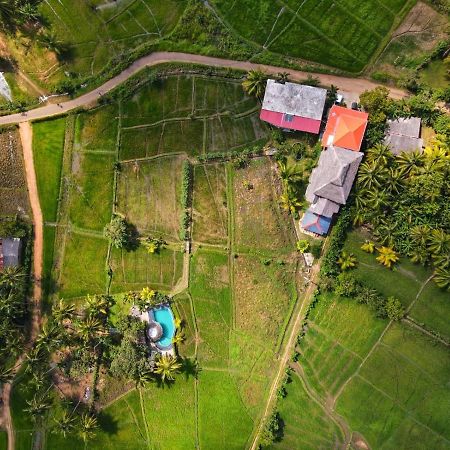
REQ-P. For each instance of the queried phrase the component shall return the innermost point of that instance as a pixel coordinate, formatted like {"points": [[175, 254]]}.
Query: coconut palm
{"points": [[62, 311], [290, 172], [87, 426], [289, 201], [387, 256], [166, 367], [282, 77], [347, 260], [49, 337], [385, 232], [97, 305], [442, 277], [420, 234], [370, 175], [64, 424], [27, 12], [380, 154], [12, 276], [179, 338], [89, 328], [439, 242], [255, 83], [50, 41], [37, 406], [368, 246], [394, 180], [409, 162], [7, 12], [378, 198]]}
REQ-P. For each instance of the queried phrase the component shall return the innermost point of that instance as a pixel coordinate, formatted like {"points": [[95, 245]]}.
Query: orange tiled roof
{"points": [[345, 128]]}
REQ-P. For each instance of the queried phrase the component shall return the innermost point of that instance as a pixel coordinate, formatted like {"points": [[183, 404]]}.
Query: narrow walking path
{"points": [[26, 136], [350, 87]]}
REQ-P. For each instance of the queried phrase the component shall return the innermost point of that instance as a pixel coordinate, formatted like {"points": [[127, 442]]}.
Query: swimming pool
{"points": [[164, 316]]}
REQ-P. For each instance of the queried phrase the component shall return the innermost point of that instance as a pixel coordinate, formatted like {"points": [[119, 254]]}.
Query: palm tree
{"points": [[439, 242], [289, 201], [368, 246], [380, 154], [420, 234], [62, 311], [37, 406], [442, 277], [87, 426], [64, 424], [190, 367], [7, 12], [409, 162], [49, 337], [255, 83], [290, 172], [166, 367], [282, 77], [142, 377], [28, 11], [347, 260], [51, 42], [394, 180], [385, 232], [370, 175], [89, 328], [97, 305], [12, 276], [179, 338], [387, 256]]}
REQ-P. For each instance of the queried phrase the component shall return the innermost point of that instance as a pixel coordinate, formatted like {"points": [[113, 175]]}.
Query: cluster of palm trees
{"points": [[405, 199], [292, 175], [14, 13], [13, 309]]}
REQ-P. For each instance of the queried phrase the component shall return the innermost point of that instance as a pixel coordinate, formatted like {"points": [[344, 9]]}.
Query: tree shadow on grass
{"points": [[108, 423]]}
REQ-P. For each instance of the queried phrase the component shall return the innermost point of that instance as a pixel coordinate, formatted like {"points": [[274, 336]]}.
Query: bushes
{"points": [[186, 198], [272, 430], [239, 155]]}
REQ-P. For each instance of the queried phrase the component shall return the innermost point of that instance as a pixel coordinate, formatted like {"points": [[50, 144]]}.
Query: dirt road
{"points": [[351, 88], [26, 136]]}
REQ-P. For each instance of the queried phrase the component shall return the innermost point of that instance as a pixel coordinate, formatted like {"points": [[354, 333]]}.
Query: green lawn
{"points": [[343, 35], [3, 440], [48, 149], [49, 245]]}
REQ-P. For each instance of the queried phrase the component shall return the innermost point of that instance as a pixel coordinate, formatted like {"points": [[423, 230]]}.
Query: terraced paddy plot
{"points": [[134, 270], [210, 204], [97, 32], [97, 130], [188, 114], [83, 271], [149, 195], [343, 34], [91, 190], [259, 221], [13, 189]]}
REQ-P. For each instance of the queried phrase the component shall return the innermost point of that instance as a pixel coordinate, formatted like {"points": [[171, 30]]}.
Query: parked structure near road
{"points": [[293, 106], [345, 128], [10, 249], [403, 135]]}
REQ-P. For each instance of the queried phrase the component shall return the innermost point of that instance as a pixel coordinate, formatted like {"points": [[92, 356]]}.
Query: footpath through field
{"points": [[26, 138], [351, 88]]}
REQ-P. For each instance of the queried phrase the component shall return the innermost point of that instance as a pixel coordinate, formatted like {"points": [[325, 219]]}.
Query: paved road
{"points": [[351, 88]]}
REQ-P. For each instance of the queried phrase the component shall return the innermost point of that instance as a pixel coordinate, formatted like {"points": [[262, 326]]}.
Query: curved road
{"points": [[349, 87]]}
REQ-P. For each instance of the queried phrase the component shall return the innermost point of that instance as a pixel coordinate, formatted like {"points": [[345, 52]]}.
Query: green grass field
{"points": [[48, 147], [344, 35]]}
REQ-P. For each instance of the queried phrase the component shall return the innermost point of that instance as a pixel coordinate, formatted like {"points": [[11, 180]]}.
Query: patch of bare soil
{"points": [[359, 442]]}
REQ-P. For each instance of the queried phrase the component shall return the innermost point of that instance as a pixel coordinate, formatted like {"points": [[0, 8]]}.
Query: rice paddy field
{"points": [[377, 383], [343, 34]]}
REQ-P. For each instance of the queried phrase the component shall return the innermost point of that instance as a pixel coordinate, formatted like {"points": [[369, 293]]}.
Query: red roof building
{"points": [[345, 128], [293, 106]]}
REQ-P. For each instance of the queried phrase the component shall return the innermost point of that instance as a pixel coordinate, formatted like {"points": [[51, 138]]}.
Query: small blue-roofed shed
{"points": [[315, 223]]}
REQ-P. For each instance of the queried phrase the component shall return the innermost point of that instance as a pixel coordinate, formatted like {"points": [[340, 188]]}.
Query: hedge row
{"points": [[186, 199]]}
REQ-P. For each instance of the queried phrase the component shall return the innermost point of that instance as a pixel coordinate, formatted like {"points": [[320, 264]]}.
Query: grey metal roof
{"points": [[10, 251], [333, 177], [324, 207], [405, 126], [399, 144], [295, 99]]}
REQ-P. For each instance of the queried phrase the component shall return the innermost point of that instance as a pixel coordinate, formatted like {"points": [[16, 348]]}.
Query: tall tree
{"points": [[255, 83]]}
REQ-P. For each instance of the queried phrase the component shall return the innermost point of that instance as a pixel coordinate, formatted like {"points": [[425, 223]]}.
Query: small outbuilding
{"points": [[293, 106], [10, 250], [403, 135]]}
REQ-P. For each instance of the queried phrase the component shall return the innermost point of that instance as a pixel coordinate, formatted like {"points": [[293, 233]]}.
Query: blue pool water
{"points": [[163, 315]]}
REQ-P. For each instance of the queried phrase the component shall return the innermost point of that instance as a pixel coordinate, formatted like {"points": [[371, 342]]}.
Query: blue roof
{"points": [[315, 223]]}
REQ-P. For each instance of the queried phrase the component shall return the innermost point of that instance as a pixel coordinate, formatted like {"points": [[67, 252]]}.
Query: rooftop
{"points": [[345, 128], [315, 224], [9, 252], [403, 135], [332, 180], [294, 99]]}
